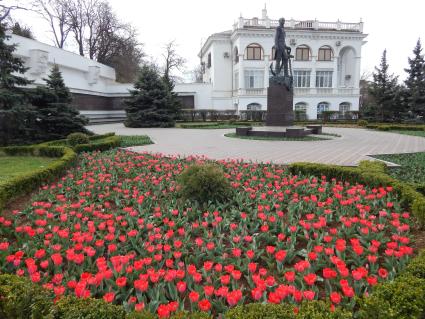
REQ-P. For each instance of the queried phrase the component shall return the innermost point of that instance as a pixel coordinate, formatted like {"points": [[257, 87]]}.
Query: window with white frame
{"points": [[254, 79], [302, 78], [324, 79], [236, 80], [344, 108]]}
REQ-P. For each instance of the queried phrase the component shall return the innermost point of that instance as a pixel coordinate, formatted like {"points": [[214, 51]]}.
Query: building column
{"points": [[266, 71], [335, 84], [313, 76], [357, 73], [241, 74]]}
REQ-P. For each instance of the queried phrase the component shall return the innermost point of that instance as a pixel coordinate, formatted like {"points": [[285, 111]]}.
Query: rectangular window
{"points": [[324, 79], [254, 79], [302, 54], [325, 54], [302, 79]]}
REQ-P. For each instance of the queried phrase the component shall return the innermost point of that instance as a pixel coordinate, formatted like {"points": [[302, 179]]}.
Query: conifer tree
{"points": [[385, 90], [16, 115], [415, 82], [150, 104], [56, 117]]}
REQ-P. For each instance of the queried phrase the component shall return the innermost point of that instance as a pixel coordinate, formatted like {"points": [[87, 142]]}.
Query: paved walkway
{"points": [[354, 145]]}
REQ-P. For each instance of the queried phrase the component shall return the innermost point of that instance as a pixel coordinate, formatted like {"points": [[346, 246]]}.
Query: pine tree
{"points": [[415, 82], [150, 104], [385, 91], [56, 117], [16, 115]]}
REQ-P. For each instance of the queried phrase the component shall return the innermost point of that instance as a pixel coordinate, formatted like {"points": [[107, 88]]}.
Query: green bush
{"points": [[362, 123], [26, 183], [77, 138], [321, 310], [190, 315], [141, 315], [402, 298], [204, 183], [416, 266], [261, 311], [21, 299], [78, 308], [102, 145]]}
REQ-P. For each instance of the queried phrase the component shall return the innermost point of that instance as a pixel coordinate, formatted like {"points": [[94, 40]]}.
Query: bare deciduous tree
{"points": [[5, 10], [55, 12], [172, 60]]}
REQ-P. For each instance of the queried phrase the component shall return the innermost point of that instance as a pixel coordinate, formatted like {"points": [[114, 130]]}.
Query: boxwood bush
{"points": [[204, 183]]}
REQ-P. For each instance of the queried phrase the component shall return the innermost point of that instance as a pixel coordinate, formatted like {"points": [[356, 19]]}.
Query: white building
{"points": [[326, 66], [95, 92]]}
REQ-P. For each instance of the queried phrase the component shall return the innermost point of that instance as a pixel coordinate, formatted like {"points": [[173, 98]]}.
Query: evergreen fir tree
{"points": [[175, 103], [415, 82], [16, 115], [56, 117], [11, 93], [150, 104], [385, 91]]}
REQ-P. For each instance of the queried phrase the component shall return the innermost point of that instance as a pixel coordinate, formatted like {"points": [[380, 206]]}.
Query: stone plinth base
{"points": [[280, 102]]}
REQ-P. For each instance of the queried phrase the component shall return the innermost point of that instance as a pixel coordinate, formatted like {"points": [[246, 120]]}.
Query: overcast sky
{"points": [[393, 24]]}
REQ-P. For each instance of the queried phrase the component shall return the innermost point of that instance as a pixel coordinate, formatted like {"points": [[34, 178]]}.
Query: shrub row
{"points": [[22, 299], [401, 298], [25, 183], [97, 143], [394, 127], [218, 124], [370, 173]]}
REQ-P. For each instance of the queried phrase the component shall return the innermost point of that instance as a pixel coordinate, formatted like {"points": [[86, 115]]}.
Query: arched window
{"points": [[344, 108], [301, 107], [302, 53], [254, 52], [253, 107], [236, 55], [325, 53], [273, 56], [322, 107]]}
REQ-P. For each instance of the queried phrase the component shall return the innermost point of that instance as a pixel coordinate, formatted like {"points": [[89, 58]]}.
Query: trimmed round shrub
{"points": [[316, 309], [190, 315], [21, 299], [204, 183], [77, 138], [362, 123], [145, 314]]}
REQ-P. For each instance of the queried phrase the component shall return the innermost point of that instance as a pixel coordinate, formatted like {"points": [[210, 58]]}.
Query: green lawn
{"points": [[414, 133], [11, 166], [263, 138], [412, 166]]}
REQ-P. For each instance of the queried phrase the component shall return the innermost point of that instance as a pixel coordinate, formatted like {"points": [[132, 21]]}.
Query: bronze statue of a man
{"points": [[281, 55]]}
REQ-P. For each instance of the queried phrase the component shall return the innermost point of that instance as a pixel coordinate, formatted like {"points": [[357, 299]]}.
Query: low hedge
{"points": [[370, 173], [25, 183], [307, 310], [401, 298], [97, 143], [394, 127]]}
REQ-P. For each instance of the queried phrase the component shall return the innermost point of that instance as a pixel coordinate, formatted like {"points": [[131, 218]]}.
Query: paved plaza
{"points": [[353, 146]]}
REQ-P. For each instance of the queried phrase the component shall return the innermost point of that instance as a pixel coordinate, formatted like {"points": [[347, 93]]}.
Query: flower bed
{"points": [[114, 228]]}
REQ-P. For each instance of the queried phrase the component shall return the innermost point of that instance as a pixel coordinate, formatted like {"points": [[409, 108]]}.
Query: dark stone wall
{"points": [[86, 102]]}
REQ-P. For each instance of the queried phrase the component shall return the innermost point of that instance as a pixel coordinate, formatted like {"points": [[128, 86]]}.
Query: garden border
{"points": [[20, 184]]}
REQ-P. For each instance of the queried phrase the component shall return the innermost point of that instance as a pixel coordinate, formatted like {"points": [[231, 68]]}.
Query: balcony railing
{"points": [[326, 91], [300, 91], [300, 24]]}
